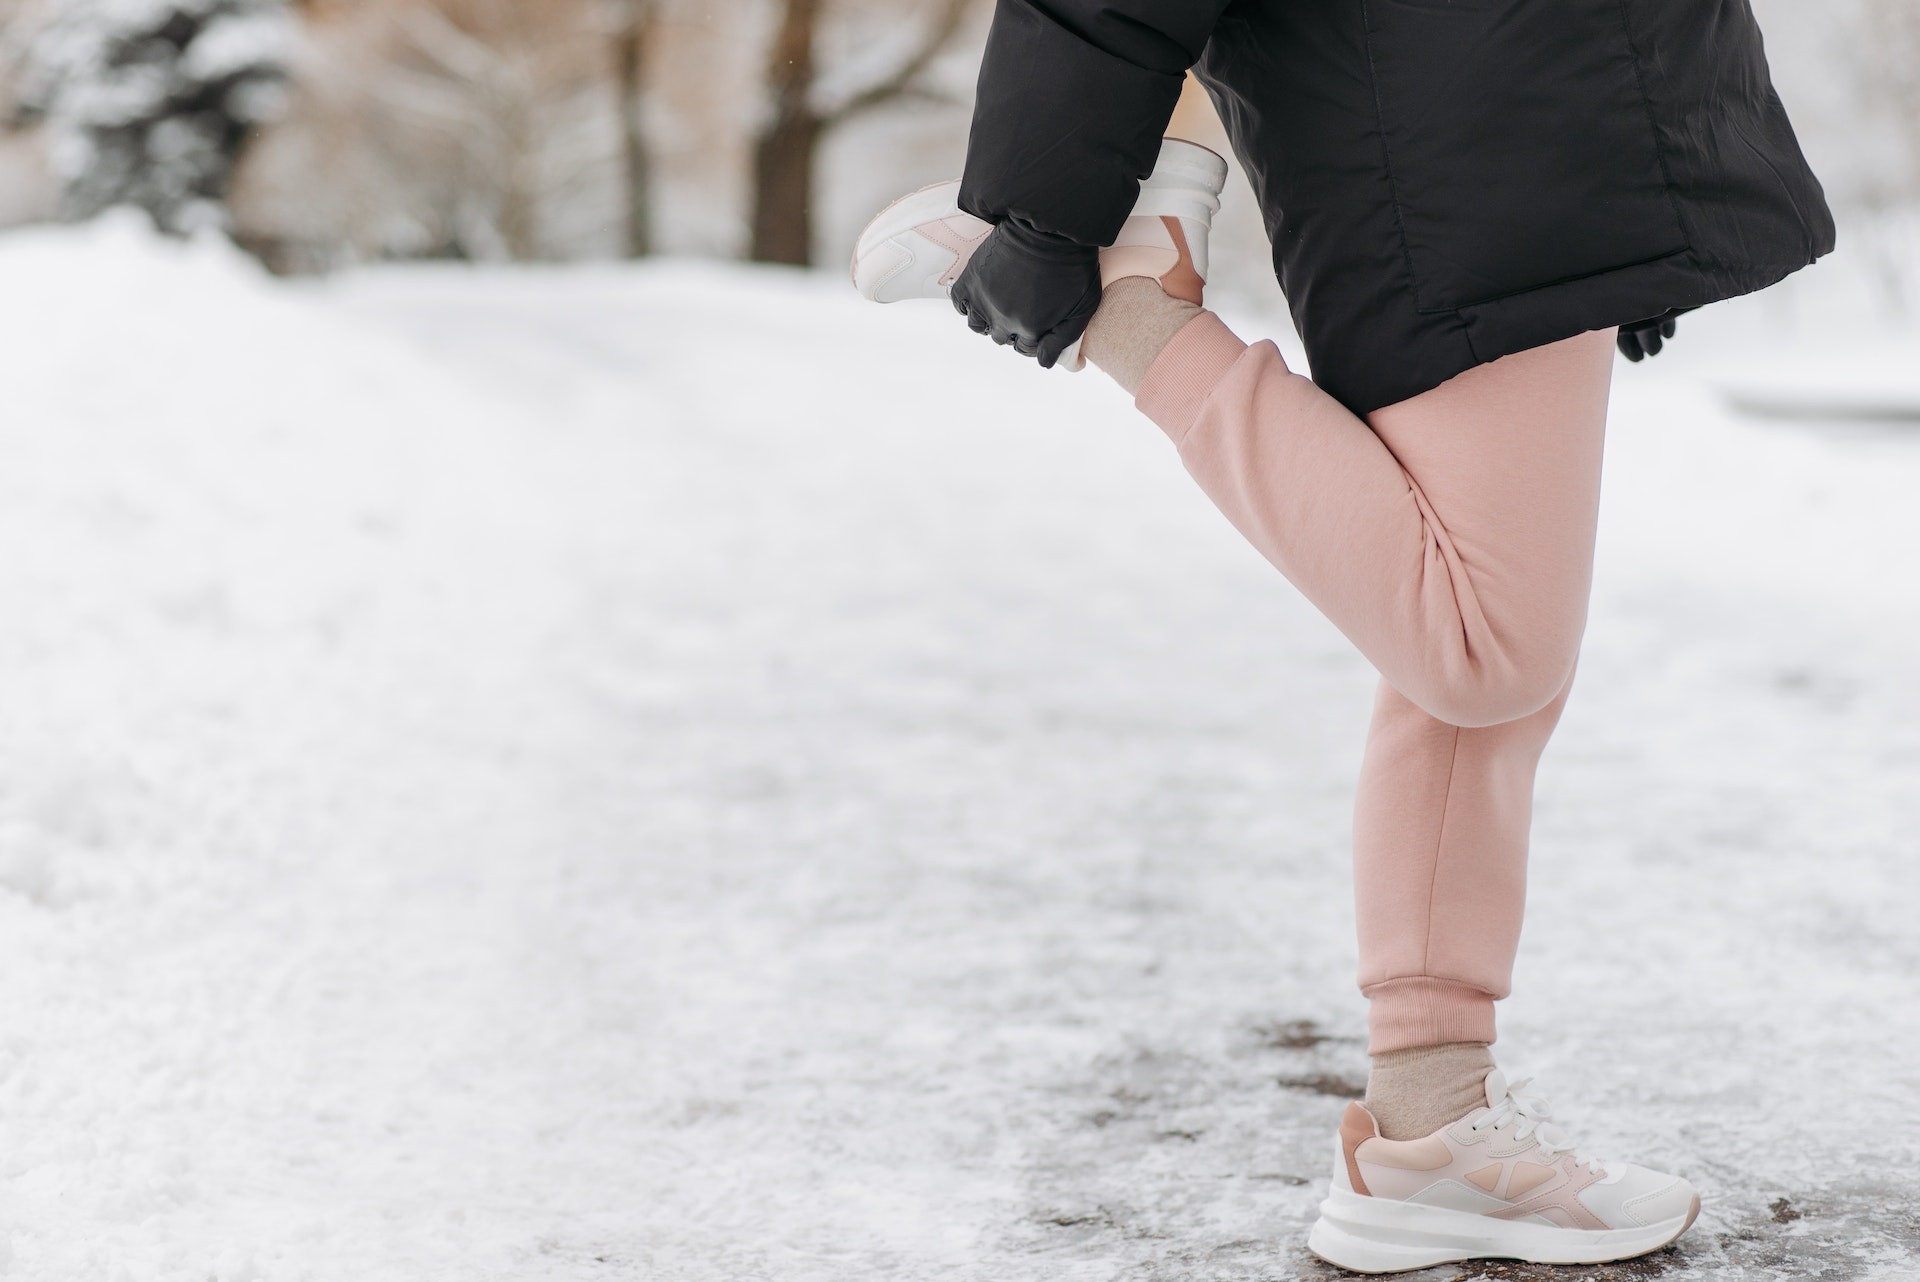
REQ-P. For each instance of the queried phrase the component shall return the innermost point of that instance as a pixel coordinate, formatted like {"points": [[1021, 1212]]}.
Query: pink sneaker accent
{"points": [[917, 246], [960, 235], [1501, 1183], [1158, 249]]}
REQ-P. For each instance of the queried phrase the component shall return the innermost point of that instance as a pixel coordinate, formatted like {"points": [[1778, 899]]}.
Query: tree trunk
{"points": [[783, 191], [630, 61], [518, 219], [783, 153]]}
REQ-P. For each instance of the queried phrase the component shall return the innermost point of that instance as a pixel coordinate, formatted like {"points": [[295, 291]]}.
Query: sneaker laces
{"points": [[1532, 1114]]}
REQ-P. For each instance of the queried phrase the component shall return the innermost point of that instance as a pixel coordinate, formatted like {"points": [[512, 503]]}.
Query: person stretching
{"points": [[1472, 205]]}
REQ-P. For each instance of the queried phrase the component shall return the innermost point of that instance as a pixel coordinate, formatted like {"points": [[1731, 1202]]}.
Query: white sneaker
{"points": [[1500, 1183], [920, 244]]}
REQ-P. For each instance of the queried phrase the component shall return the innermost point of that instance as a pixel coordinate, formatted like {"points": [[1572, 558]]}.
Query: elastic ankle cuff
{"points": [[1186, 372], [1419, 1010]]}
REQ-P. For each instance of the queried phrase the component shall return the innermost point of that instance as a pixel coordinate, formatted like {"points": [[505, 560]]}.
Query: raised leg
{"points": [[1450, 536]]}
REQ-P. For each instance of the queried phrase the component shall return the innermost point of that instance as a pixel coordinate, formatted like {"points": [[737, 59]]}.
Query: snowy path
{"points": [[498, 783]]}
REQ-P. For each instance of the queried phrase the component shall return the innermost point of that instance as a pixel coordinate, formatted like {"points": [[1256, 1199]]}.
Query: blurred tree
{"points": [[149, 102], [506, 102], [800, 115], [634, 25], [468, 129], [502, 73]]}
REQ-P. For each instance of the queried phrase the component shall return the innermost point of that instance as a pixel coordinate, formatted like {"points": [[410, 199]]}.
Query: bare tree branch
{"points": [[901, 83]]}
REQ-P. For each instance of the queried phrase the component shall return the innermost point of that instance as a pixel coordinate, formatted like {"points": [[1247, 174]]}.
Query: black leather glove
{"points": [[1645, 338], [1029, 289]]}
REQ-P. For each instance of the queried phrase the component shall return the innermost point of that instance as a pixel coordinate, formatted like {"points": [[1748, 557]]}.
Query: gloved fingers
{"points": [[1013, 286], [1054, 343], [1647, 338]]}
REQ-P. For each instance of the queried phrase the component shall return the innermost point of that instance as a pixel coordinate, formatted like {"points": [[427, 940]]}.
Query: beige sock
{"points": [[1135, 322], [1414, 1092]]}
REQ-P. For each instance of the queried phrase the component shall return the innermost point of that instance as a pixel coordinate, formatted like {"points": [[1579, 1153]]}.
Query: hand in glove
{"points": [[1645, 338], [1029, 289]]}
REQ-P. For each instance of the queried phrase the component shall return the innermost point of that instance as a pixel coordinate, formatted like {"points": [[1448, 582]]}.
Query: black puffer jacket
{"points": [[1444, 181]]}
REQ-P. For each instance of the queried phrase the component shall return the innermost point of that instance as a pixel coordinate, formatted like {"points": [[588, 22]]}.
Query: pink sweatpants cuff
{"points": [[1186, 372], [1418, 1010]]}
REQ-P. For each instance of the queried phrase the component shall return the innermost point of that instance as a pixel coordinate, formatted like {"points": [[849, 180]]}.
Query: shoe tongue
{"points": [[1496, 1087]]}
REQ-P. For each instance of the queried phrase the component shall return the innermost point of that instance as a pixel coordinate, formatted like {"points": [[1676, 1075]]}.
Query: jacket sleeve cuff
{"points": [[1063, 131]]}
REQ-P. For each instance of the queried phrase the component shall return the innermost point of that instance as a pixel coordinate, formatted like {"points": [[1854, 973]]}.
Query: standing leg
{"points": [[1440, 867], [1507, 455], [1450, 536]]}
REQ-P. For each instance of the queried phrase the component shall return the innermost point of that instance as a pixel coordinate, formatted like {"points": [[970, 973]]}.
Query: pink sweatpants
{"points": [[1450, 537]]}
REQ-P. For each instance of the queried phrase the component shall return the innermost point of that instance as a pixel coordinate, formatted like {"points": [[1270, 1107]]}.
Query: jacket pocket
{"points": [[1519, 147]]}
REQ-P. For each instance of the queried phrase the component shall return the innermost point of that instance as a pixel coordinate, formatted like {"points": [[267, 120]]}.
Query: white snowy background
{"points": [[671, 772]]}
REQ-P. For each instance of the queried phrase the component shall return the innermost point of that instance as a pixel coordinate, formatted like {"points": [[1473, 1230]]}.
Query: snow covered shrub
{"points": [[148, 102]]}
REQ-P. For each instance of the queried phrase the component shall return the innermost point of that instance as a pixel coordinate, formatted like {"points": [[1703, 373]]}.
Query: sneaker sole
{"points": [[1379, 1235]]}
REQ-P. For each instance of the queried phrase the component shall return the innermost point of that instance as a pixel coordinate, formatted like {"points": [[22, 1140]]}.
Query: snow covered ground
{"points": [[670, 773]]}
